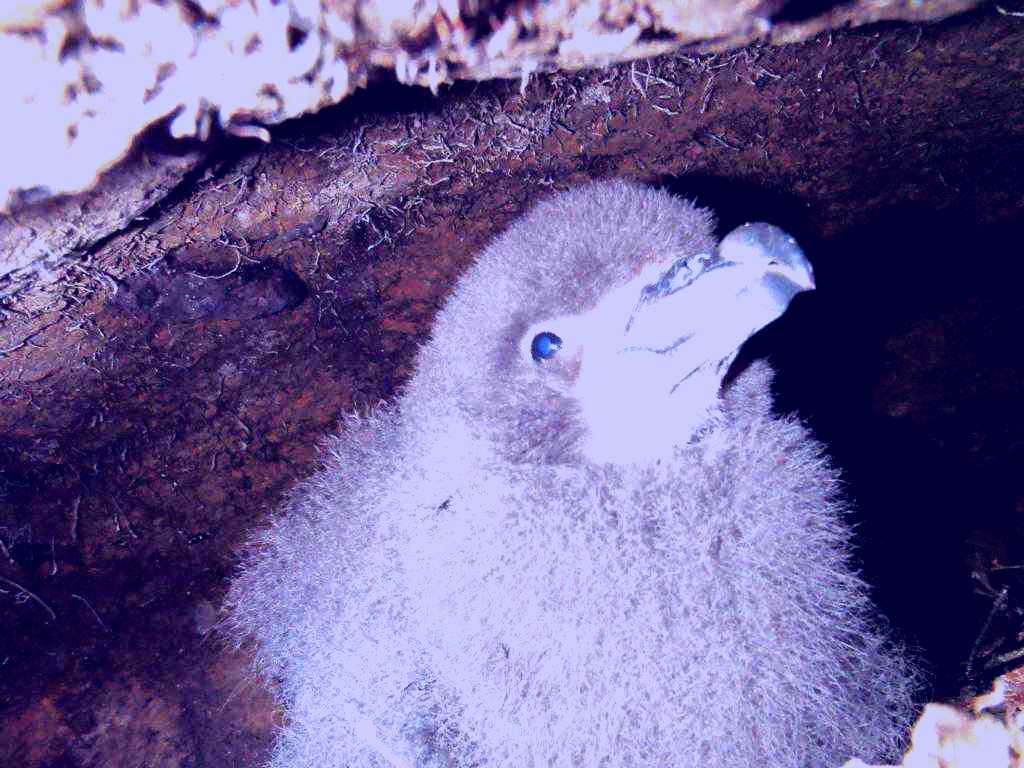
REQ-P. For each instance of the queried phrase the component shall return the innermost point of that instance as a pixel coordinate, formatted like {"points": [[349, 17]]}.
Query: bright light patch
{"points": [[948, 737]]}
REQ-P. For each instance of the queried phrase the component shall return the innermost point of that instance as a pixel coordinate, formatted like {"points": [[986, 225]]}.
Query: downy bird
{"points": [[566, 543]]}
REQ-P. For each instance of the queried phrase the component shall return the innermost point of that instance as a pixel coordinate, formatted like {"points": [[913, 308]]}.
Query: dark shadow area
{"points": [[921, 303], [802, 10], [381, 99], [737, 202]]}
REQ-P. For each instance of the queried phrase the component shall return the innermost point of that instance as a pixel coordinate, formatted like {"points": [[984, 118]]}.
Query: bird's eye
{"points": [[545, 345]]}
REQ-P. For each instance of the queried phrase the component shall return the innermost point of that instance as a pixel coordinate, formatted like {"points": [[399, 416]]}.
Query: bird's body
{"points": [[479, 577]]}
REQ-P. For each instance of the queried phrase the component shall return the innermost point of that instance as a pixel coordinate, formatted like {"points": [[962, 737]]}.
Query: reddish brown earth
{"points": [[155, 406]]}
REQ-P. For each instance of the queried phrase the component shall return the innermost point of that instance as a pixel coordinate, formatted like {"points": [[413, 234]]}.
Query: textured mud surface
{"points": [[156, 405]]}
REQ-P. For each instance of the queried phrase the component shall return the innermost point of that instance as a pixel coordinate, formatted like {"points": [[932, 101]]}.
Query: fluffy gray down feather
{"points": [[459, 587]]}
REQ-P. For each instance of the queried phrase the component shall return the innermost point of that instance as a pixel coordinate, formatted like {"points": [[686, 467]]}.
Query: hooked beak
{"points": [[658, 382]]}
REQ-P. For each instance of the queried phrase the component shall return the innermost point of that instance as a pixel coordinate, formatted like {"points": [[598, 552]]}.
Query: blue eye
{"points": [[545, 345]]}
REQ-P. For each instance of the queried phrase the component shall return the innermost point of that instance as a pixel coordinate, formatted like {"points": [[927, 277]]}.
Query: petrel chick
{"points": [[564, 545]]}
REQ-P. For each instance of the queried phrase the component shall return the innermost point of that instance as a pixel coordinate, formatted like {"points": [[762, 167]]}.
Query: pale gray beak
{"points": [[652, 382], [702, 309]]}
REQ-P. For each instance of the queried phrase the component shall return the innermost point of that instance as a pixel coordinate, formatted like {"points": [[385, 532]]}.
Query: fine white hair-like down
{"points": [[461, 585]]}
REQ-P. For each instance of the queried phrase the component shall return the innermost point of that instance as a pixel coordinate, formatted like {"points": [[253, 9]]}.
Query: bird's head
{"points": [[599, 326]]}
